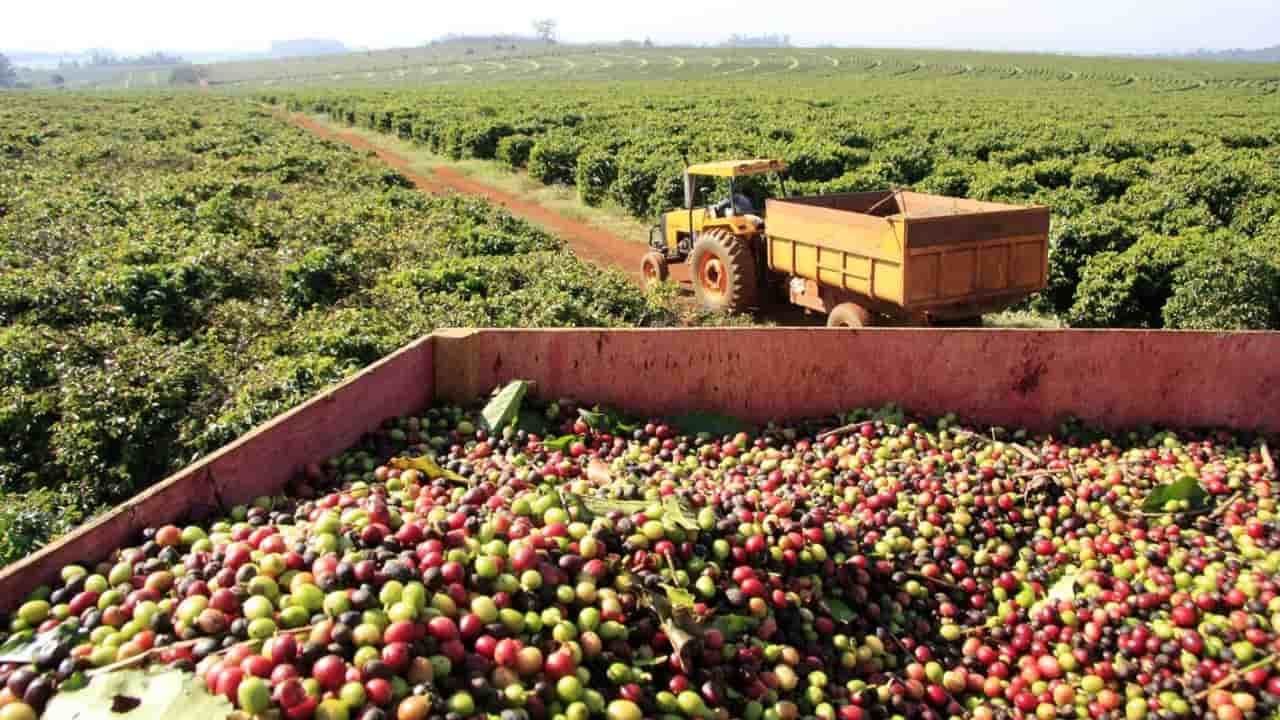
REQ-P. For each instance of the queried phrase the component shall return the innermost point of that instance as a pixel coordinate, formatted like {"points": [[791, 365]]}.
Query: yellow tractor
{"points": [[721, 241]]}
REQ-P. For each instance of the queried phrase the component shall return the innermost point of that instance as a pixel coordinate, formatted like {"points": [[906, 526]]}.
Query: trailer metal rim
{"points": [[653, 269], [650, 270]]}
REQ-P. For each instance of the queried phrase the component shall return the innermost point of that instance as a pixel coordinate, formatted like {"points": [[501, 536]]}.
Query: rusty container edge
{"points": [[1023, 378]]}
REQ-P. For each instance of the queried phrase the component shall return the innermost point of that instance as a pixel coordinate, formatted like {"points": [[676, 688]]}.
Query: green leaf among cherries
{"points": [[156, 694], [505, 406], [1188, 490], [26, 646]]}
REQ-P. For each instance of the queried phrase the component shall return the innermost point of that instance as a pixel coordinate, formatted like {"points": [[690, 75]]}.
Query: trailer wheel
{"points": [[653, 269], [849, 315], [724, 272]]}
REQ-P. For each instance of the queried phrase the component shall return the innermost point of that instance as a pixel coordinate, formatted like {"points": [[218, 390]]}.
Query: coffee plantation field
{"points": [[478, 63], [1164, 178], [176, 270]]}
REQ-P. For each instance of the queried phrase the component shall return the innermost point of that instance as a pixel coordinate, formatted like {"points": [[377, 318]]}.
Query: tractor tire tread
{"points": [[740, 266]]}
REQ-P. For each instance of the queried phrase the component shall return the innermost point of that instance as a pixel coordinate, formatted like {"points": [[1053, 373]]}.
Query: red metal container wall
{"points": [[1024, 378], [1020, 378]]}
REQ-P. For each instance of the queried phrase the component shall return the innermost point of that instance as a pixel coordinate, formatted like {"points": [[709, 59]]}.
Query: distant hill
{"points": [[1266, 54], [737, 40], [41, 59], [305, 47]]}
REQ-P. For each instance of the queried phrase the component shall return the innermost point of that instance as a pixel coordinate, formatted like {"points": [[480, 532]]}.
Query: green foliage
{"points": [[505, 405], [166, 295], [906, 163], [1126, 289], [668, 188], [230, 269], [474, 227], [1053, 173], [1239, 138], [29, 520], [597, 171], [1197, 282], [1187, 489], [321, 277], [815, 160], [472, 137], [513, 151], [480, 139], [1103, 181], [1001, 185], [122, 415], [636, 183], [951, 178], [1225, 288], [554, 159], [1072, 242]]}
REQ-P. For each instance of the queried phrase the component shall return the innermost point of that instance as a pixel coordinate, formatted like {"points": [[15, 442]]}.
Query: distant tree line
{"points": [[104, 58], [547, 29], [186, 74], [1267, 54], [764, 40], [8, 75], [457, 38]]}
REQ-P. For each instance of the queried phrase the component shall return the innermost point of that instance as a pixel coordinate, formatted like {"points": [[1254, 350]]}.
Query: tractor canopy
{"points": [[738, 168]]}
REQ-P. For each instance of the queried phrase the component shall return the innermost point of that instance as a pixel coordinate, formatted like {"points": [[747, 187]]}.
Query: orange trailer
{"points": [[924, 258]]}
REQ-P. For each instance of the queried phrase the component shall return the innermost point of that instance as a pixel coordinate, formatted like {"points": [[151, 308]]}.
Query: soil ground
{"points": [[590, 243]]}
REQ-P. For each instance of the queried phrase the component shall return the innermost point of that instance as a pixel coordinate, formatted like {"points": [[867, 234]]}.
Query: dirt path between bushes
{"points": [[589, 243]]}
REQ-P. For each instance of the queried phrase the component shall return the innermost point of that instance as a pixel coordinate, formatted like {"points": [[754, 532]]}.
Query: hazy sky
{"points": [[134, 26]]}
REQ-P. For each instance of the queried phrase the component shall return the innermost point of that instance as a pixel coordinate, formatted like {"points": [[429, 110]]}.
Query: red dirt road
{"points": [[592, 244]]}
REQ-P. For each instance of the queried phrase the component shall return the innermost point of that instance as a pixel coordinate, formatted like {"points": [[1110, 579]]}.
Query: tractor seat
{"points": [[742, 206]]}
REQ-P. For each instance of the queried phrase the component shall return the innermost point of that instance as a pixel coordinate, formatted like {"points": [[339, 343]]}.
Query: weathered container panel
{"points": [[919, 253], [260, 463], [1024, 378]]}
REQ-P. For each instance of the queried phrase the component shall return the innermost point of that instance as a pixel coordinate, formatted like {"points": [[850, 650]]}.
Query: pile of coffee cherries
{"points": [[867, 566]]}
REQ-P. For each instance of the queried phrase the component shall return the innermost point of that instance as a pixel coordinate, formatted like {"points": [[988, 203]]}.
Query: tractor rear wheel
{"points": [[849, 315], [653, 268], [724, 272]]}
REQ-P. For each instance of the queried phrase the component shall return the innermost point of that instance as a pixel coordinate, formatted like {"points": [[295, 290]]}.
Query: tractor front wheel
{"points": [[723, 267], [653, 269]]}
